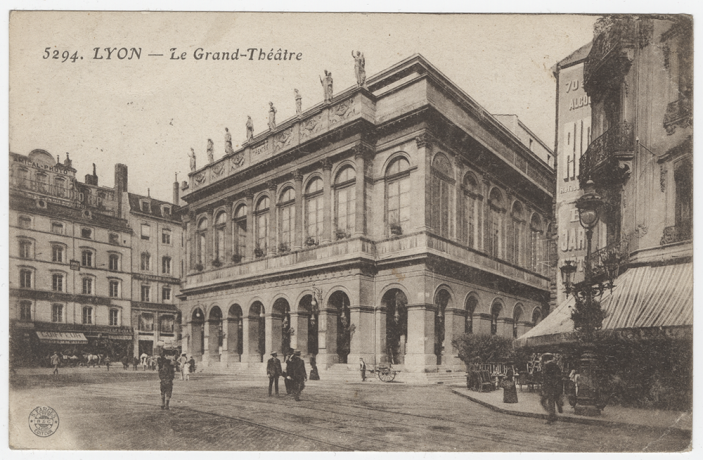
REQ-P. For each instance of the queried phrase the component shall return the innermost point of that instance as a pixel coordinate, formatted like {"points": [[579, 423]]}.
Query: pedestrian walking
{"points": [[55, 361], [166, 375], [274, 371], [362, 369], [509, 387], [183, 363], [125, 363], [191, 365], [186, 368], [551, 376], [297, 375], [314, 375], [143, 359], [107, 363], [135, 363], [288, 382]]}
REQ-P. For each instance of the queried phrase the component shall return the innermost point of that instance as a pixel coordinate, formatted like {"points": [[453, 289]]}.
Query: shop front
{"points": [[74, 342]]}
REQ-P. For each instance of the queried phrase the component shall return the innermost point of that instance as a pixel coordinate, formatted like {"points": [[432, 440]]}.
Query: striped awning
{"points": [[643, 297]]}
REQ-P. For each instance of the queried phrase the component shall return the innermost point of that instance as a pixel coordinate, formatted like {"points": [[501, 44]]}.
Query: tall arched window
{"points": [[345, 201], [535, 250], [495, 312], [286, 218], [471, 305], [398, 195], [517, 317], [516, 235], [494, 240], [240, 231], [442, 195], [262, 226], [201, 242], [471, 217], [536, 316], [220, 223], [313, 211]]}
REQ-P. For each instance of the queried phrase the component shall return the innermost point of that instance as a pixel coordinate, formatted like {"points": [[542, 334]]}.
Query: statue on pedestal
{"points": [[228, 142], [327, 86], [210, 151], [298, 102], [272, 116], [192, 159], [250, 129], [359, 67]]}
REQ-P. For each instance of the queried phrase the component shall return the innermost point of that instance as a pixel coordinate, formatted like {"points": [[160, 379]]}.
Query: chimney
{"points": [[91, 179], [121, 189], [175, 190]]}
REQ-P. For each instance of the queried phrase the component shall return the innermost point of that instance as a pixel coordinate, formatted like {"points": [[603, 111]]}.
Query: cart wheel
{"points": [[386, 375]]}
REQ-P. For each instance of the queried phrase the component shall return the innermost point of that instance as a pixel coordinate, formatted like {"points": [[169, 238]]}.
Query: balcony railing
{"points": [[612, 257], [618, 140], [616, 34], [676, 233], [678, 113]]}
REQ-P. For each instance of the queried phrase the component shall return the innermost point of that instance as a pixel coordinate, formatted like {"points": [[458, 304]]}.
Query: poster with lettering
{"points": [[349, 231]]}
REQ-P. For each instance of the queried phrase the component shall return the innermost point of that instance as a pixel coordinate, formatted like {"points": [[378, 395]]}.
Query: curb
{"points": [[566, 418]]}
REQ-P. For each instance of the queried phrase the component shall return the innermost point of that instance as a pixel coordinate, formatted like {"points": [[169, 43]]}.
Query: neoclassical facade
{"points": [[381, 224]]}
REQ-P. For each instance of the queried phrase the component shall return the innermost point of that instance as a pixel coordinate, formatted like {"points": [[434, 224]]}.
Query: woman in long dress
{"points": [[509, 387]]}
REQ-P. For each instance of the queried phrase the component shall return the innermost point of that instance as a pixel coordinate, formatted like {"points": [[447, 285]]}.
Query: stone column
{"points": [[273, 219], [299, 339], [298, 235], [188, 220], [326, 201], [505, 327], [229, 233], [362, 340], [211, 235], [486, 210], [454, 324], [229, 344], [424, 200], [251, 237], [360, 153], [482, 323], [420, 350], [380, 336], [327, 338]]}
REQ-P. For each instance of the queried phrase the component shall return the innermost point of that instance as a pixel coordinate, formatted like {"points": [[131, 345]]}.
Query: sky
{"points": [[147, 113]]}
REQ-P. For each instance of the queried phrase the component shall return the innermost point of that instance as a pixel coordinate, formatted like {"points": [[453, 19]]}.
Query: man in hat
{"points": [[362, 369], [55, 361], [274, 371], [550, 387], [296, 373]]}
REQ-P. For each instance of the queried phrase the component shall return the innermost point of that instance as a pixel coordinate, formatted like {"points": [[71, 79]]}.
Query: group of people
{"points": [[295, 375]]}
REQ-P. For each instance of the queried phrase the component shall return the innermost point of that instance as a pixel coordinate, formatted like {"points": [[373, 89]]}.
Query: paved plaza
{"points": [[121, 410]]}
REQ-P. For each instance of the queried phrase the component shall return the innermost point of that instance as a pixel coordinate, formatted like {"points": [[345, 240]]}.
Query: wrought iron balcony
{"points": [[612, 51], [678, 113], [607, 262], [676, 233], [601, 160]]}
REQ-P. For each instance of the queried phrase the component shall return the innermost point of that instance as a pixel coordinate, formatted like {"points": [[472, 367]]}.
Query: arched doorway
{"points": [[281, 327], [340, 302], [395, 303], [471, 305], [197, 326], [215, 333], [257, 332], [309, 321], [235, 343], [442, 301]]}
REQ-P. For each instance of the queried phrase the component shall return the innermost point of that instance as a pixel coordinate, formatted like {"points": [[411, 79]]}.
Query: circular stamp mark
{"points": [[43, 421]]}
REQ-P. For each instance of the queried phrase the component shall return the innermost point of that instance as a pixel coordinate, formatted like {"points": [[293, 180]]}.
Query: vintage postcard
{"points": [[357, 232]]}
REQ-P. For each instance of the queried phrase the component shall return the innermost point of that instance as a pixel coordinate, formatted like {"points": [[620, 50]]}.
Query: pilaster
{"points": [[327, 201]]}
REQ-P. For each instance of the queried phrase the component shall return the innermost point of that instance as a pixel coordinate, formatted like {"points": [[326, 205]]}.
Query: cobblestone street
{"points": [[121, 410]]}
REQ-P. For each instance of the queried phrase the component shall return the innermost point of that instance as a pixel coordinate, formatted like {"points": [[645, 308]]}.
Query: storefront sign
{"points": [[61, 337]]}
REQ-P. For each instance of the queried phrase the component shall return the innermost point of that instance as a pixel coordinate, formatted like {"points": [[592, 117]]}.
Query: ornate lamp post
{"points": [[262, 331], [587, 314], [314, 317]]}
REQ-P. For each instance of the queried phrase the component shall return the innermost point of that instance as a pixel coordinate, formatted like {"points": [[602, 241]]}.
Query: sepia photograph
{"points": [[350, 232]]}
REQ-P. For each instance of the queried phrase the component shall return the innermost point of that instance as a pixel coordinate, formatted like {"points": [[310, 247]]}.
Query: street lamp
{"points": [[316, 294]]}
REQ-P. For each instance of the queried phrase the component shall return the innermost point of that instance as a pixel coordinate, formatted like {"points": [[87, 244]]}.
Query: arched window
{"points": [[313, 211], [517, 316], [286, 218], [516, 235], [398, 195], [262, 226], [536, 316], [87, 315], [240, 231], [201, 242], [471, 222], [220, 223], [535, 249], [471, 304], [442, 195], [495, 312], [146, 261], [494, 238], [345, 201]]}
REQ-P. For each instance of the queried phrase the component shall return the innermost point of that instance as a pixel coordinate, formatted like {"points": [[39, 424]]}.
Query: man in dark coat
{"points": [[166, 374], [296, 373], [274, 371], [551, 376]]}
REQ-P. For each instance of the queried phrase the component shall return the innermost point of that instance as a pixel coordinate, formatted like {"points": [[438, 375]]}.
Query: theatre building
{"points": [[380, 224], [72, 256]]}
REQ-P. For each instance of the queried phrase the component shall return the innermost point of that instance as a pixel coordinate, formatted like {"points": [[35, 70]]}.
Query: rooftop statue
{"points": [[298, 102], [359, 68], [272, 116], [210, 151], [228, 142], [192, 159], [327, 83], [250, 129]]}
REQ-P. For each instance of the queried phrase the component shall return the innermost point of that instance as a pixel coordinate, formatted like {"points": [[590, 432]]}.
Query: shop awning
{"points": [[643, 298], [61, 337]]}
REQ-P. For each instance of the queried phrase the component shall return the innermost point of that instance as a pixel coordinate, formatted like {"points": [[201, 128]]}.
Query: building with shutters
{"points": [[378, 225]]}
